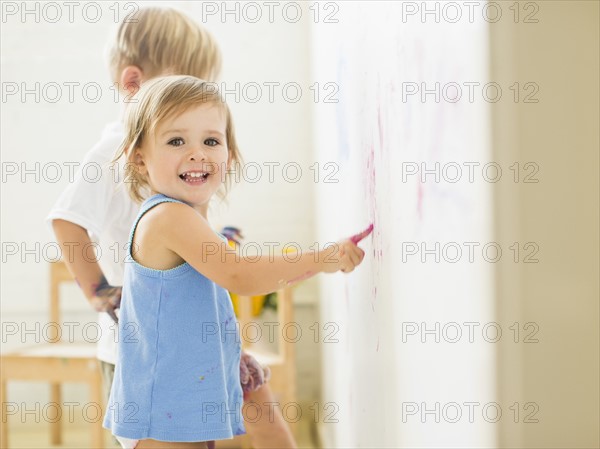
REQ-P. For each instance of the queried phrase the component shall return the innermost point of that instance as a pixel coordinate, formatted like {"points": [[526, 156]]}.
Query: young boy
{"points": [[157, 42]]}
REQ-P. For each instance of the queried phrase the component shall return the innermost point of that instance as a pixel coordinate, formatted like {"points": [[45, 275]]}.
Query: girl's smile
{"points": [[194, 177]]}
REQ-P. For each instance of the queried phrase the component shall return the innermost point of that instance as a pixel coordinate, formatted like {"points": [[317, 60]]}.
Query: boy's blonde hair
{"points": [[164, 41], [158, 100]]}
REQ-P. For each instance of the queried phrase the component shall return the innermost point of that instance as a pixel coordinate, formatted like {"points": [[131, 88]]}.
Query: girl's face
{"points": [[187, 156]]}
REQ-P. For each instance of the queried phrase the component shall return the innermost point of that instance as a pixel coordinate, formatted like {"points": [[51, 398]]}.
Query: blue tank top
{"points": [[177, 374]]}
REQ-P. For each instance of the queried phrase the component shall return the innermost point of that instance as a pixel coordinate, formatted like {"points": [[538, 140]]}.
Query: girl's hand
{"points": [[252, 374], [107, 299], [342, 256], [345, 255]]}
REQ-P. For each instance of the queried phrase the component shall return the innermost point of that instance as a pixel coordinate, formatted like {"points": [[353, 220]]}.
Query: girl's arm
{"points": [[185, 232]]}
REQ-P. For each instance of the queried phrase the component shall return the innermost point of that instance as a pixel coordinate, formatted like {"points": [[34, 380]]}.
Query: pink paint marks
{"points": [[371, 181], [376, 157], [302, 277]]}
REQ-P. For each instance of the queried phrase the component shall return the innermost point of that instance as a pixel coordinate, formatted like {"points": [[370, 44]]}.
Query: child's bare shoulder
{"points": [[170, 219]]}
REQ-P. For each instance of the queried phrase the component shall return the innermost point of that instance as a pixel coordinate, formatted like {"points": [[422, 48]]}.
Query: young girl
{"points": [[177, 378], [159, 41]]}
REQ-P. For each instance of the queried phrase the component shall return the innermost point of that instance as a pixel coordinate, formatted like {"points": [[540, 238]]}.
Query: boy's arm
{"points": [[186, 233], [252, 374], [85, 269], [84, 206]]}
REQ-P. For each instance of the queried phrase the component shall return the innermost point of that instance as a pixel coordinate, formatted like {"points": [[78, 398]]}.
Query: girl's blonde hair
{"points": [[163, 41], [161, 99]]}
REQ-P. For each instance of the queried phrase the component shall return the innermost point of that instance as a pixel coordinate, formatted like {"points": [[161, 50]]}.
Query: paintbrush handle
{"points": [[358, 237]]}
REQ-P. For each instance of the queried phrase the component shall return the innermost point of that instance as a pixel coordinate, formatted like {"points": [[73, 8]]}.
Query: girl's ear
{"points": [[131, 79], [138, 160]]}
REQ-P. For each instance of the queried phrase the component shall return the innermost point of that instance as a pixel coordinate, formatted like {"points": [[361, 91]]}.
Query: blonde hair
{"points": [[158, 100], [164, 41]]}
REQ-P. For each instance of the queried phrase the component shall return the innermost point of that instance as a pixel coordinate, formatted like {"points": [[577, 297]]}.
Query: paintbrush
{"points": [[361, 235]]}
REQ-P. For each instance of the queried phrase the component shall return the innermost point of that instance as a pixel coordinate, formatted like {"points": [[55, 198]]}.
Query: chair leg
{"points": [[4, 420], [96, 397], [55, 427]]}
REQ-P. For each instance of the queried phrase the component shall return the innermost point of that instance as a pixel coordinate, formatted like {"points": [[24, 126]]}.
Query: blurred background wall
{"points": [[557, 376]]}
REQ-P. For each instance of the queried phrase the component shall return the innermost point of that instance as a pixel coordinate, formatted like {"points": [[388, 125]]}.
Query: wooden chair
{"points": [[55, 362], [282, 362]]}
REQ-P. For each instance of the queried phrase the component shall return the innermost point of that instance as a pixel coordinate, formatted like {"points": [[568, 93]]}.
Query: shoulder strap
{"points": [[148, 204], [151, 202]]}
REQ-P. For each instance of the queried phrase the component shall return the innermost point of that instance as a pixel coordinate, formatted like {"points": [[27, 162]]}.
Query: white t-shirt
{"points": [[98, 201]]}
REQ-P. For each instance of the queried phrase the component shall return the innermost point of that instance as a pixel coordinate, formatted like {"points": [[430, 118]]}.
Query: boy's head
{"points": [[161, 41], [159, 122]]}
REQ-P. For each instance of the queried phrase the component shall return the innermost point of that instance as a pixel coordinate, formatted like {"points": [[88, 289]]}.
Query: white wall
{"points": [[380, 379]]}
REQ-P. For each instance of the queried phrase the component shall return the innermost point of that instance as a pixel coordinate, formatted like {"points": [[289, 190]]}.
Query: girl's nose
{"points": [[197, 154]]}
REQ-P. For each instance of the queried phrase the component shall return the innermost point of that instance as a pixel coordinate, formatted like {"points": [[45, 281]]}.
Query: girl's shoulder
{"points": [[166, 213], [156, 227]]}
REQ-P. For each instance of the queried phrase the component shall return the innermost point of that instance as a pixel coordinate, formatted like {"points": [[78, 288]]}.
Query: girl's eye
{"points": [[211, 142], [176, 142]]}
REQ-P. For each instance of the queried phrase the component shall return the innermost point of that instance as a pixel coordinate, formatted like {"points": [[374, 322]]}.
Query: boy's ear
{"points": [[131, 79]]}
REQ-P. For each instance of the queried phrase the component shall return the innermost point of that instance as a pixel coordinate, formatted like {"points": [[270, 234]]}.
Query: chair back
{"points": [[59, 274]]}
